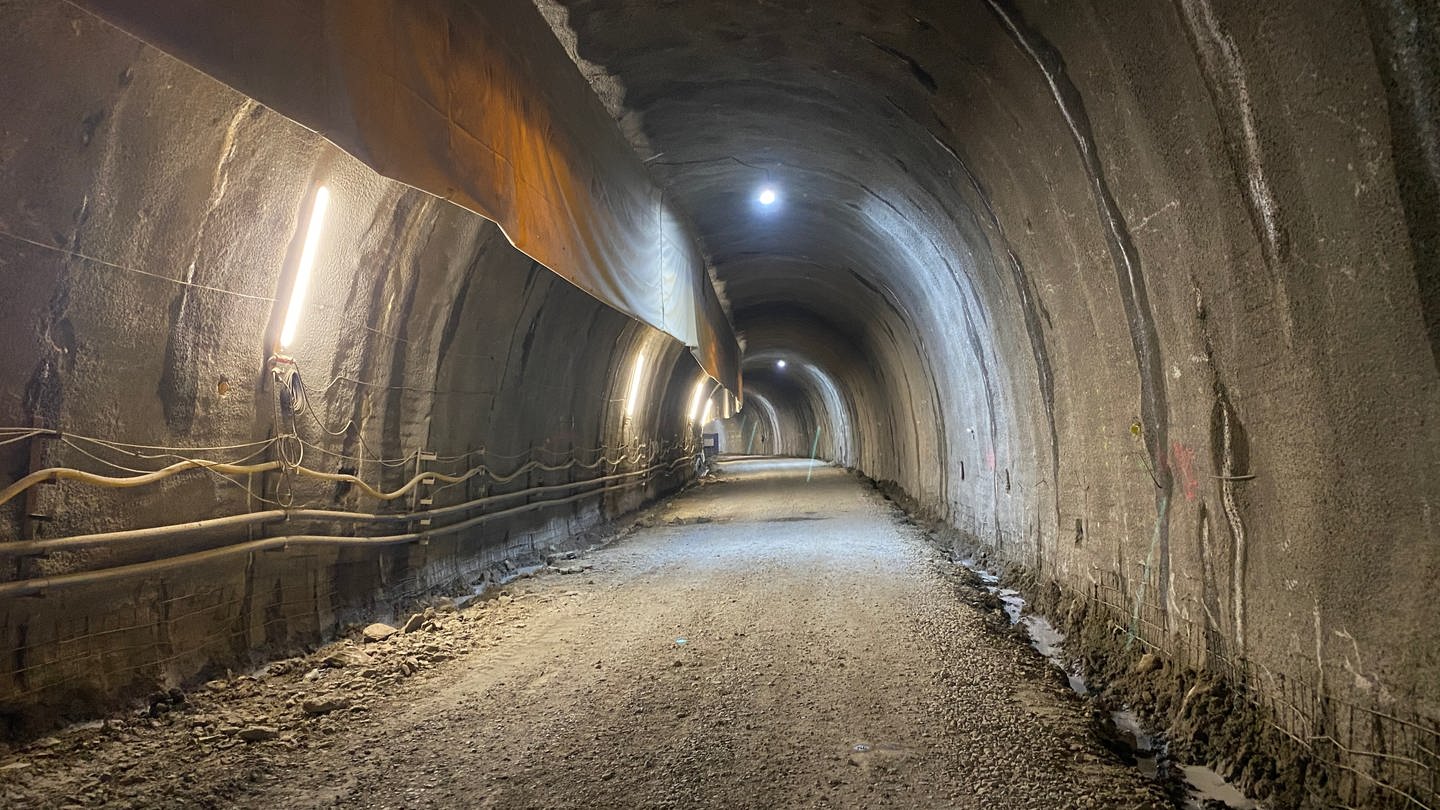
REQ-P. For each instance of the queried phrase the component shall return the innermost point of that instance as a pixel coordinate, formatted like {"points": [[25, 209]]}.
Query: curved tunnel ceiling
{"points": [[1076, 266], [814, 102], [873, 243], [1139, 297], [396, 85]]}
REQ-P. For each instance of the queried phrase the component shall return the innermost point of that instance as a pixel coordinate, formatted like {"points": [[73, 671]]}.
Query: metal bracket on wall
{"points": [[424, 495], [32, 516]]}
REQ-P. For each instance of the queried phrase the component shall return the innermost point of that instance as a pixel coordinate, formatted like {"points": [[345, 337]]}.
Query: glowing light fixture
{"points": [[767, 196], [636, 375], [779, 364], [307, 265], [696, 399]]}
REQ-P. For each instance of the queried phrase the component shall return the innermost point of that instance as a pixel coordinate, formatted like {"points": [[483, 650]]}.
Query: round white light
{"points": [[767, 196], [779, 364]]}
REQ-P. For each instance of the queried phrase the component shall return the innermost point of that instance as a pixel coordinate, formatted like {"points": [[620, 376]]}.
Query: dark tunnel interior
{"points": [[1141, 301]]}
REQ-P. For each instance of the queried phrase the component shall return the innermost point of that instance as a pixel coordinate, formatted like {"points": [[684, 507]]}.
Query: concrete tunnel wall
{"points": [[1140, 296], [148, 238]]}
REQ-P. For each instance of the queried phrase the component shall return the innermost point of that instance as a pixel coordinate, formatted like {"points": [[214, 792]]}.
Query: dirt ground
{"points": [[761, 641]]}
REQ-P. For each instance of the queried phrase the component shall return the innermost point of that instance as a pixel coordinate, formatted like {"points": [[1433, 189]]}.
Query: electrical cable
{"points": [[136, 270], [24, 548], [346, 430], [121, 447], [143, 477], [39, 586], [126, 446], [22, 437], [65, 439], [292, 399], [32, 587], [304, 391], [70, 474]]}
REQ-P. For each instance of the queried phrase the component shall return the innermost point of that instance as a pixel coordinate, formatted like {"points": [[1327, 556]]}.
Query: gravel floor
{"points": [[761, 641]]}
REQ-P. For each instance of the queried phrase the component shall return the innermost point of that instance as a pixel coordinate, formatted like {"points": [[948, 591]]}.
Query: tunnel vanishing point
{"points": [[313, 311]]}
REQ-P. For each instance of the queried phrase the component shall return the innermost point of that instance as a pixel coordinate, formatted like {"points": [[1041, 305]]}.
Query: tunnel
{"points": [[330, 324]]}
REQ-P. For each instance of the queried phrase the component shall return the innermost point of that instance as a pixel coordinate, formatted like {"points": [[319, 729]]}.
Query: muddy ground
{"points": [[760, 641]]}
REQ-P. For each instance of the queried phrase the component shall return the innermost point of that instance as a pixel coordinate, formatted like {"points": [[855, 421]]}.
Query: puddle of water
{"points": [[1202, 784], [1147, 759], [1044, 637], [522, 571], [1207, 785], [985, 576], [1014, 604], [480, 589], [1050, 643]]}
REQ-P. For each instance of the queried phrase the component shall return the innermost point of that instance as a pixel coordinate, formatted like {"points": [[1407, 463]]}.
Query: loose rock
{"points": [[258, 733], [347, 657], [1149, 662], [379, 631], [324, 705]]}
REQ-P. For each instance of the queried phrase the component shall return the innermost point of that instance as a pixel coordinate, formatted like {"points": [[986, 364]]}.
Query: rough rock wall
{"points": [[1142, 296], [149, 234]]}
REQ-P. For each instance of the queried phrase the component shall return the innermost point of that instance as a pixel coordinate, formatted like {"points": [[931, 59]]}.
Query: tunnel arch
{"points": [[1137, 301], [762, 405], [434, 364], [808, 391], [1062, 261]]}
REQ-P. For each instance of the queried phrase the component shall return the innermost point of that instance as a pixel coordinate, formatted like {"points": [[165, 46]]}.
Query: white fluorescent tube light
{"points": [[696, 398], [636, 375], [307, 265]]}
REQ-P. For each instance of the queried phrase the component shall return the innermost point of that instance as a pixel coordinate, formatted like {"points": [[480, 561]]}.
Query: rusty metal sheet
{"points": [[474, 101]]}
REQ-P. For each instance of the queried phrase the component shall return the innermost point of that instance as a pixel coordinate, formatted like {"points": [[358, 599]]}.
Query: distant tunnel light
{"points": [[779, 364], [636, 376], [768, 196], [696, 399], [307, 265]]}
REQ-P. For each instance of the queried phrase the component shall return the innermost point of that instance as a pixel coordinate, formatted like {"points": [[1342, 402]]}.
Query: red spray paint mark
{"points": [[1184, 467], [990, 459]]}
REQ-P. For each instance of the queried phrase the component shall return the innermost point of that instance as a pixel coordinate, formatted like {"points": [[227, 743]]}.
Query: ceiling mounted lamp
{"points": [[780, 364], [767, 196]]}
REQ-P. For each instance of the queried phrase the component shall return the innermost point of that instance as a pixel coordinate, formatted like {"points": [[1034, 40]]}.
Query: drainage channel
{"points": [[1204, 788]]}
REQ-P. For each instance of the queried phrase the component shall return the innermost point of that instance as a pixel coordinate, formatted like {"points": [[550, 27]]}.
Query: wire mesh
{"points": [[1380, 756]]}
